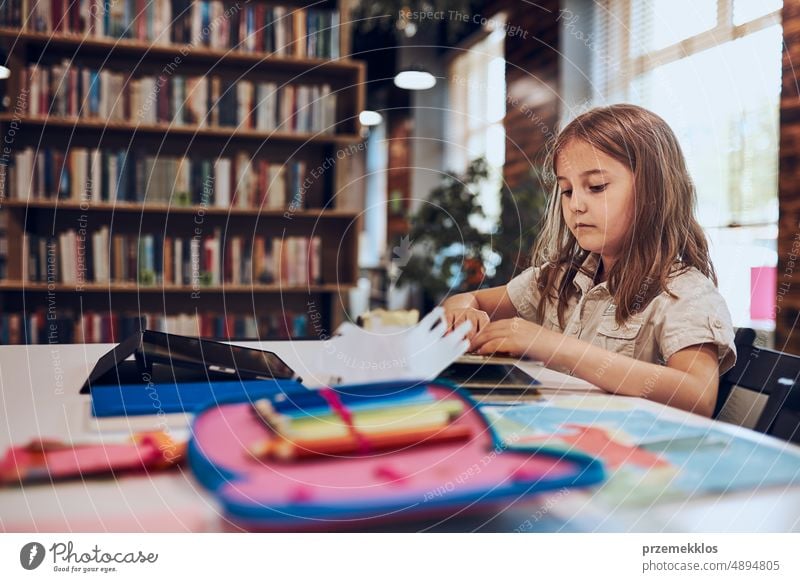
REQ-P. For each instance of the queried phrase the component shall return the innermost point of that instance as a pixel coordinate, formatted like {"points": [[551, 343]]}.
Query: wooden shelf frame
{"points": [[37, 287], [134, 208], [80, 45], [169, 130]]}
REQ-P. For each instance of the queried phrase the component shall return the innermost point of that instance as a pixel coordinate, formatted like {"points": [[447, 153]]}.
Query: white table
{"points": [[39, 386]]}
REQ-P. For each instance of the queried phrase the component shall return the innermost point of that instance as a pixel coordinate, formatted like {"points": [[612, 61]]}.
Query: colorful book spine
{"points": [[75, 258], [67, 90], [251, 27], [82, 174], [66, 326]]}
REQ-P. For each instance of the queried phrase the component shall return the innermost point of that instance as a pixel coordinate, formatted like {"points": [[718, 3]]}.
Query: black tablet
{"points": [[489, 375], [218, 357], [163, 358]]}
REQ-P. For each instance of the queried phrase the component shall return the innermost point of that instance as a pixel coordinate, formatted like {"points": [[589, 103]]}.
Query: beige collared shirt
{"points": [[667, 325]]}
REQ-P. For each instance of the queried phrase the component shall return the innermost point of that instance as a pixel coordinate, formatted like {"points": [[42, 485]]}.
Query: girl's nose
{"points": [[577, 202]]}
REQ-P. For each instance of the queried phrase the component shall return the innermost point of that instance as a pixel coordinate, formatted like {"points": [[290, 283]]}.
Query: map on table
{"points": [[648, 457]]}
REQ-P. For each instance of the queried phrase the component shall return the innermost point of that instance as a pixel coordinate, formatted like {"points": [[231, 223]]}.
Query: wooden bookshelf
{"points": [[85, 46], [9, 285], [128, 207], [230, 135], [29, 217]]}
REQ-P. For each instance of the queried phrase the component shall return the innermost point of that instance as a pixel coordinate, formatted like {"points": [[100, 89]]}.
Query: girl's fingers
{"points": [[450, 319], [490, 347], [493, 330], [458, 319], [453, 320], [478, 340], [463, 330], [485, 336], [474, 317], [481, 321], [476, 324]]}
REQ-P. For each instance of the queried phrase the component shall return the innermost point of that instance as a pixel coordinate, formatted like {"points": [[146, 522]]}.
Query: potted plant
{"points": [[449, 250]]}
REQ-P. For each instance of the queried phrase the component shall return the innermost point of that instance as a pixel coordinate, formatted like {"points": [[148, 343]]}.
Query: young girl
{"points": [[621, 291]]}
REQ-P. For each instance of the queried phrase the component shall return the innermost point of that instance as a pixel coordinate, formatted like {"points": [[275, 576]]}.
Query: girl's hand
{"points": [[516, 337], [456, 316]]}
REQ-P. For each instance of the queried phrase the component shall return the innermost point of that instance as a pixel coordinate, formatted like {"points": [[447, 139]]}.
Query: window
{"points": [[712, 70], [477, 94]]}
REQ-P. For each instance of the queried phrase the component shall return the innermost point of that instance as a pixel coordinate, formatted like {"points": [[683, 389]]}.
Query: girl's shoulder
{"points": [[692, 311], [689, 289], [689, 279]]}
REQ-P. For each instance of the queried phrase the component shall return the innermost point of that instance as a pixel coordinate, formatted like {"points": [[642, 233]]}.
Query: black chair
{"points": [[741, 374], [774, 374], [781, 415]]}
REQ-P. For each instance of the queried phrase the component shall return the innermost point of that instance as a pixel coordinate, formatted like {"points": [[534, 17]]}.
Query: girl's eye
{"points": [[566, 193], [598, 188]]}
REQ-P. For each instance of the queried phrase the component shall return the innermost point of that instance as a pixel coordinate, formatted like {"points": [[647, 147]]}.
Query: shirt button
{"points": [[574, 331]]}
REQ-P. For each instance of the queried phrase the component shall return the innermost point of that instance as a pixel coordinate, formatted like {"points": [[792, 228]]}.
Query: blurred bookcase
{"points": [[174, 165]]}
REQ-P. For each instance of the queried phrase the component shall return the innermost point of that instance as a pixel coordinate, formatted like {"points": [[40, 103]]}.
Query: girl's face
{"points": [[596, 198]]}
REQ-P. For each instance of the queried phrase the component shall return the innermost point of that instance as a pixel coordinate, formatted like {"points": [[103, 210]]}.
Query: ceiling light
{"points": [[369, 118], [414, 80]]}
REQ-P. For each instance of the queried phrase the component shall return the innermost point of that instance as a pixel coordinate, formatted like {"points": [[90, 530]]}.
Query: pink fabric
{"points": [[87, 460], [429, 473], [389, 473], [65, 461]]}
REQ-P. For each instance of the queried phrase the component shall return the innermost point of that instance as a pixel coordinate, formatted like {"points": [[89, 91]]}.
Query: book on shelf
{"points": [[64, 89], [247, 27], [67, 326], [84, 175], [75, 257]]}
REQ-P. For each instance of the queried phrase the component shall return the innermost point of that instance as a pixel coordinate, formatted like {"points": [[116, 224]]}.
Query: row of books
{"points": [[67, 90], [252, 27], [77, 258], [82, 174], [69, 327]]}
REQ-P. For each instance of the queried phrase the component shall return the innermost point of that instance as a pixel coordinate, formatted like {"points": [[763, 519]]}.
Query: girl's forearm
{"points": [[494, 301], [461, 301], [619, 374]]}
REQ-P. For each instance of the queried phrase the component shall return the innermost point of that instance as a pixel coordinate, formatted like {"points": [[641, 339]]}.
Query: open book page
{"points": [[552, 380]]}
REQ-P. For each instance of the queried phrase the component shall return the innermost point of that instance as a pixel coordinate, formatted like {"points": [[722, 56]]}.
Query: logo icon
{"points": [[31, 555]]}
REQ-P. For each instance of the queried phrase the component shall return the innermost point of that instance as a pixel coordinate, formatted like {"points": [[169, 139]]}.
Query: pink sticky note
{"points": [[763, 286]]}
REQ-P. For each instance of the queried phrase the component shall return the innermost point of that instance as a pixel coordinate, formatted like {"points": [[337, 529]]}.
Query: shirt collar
{"points": [[583, 281]]}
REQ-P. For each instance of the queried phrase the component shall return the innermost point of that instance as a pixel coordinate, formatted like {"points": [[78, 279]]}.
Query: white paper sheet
{"points": [[355, 355]]}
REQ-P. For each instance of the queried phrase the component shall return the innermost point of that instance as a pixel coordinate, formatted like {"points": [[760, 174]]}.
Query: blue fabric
{"points": [[143, 399]]}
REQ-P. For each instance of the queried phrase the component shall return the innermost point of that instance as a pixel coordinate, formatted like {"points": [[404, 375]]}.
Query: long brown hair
{"points": [[665, 237]]}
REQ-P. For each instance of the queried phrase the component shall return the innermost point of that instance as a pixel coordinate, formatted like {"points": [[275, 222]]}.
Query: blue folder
{"points": [[144, 399]]}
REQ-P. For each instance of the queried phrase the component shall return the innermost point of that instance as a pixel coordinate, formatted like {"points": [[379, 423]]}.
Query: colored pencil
{"points": [[371, 421], [286, 450]]}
